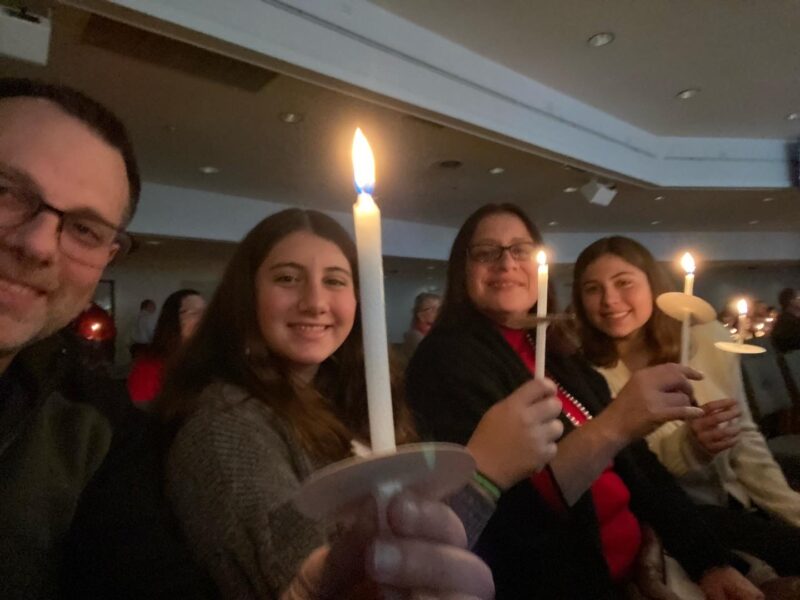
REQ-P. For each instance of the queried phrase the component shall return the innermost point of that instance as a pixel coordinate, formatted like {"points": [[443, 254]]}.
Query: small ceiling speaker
{"points": [[24, 36], [598, 193]]}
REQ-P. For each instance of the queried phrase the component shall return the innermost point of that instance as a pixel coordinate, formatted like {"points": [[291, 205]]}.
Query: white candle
{"points": [[541, 311], [687, 262], [367, 219], [741, 306]]}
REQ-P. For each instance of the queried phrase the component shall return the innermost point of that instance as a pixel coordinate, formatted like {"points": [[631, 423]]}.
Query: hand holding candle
{"points": [[367, 219], [541, 311], [687, 262]]}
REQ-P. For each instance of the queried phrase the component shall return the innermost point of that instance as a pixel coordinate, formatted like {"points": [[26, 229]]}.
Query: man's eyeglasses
{"points": [[489, 253], [83, 237]]}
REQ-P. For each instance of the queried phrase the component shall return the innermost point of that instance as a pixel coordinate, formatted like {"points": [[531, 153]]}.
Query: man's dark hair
{"points": [[96, 116]]}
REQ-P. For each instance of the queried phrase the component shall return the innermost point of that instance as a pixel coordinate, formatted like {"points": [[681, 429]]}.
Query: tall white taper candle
{"points": [[541, 311], [688, 288], [367, 218]]}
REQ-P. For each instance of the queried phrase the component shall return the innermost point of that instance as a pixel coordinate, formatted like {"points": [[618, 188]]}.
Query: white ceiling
{"points": [[182, 119], [743, 54]]}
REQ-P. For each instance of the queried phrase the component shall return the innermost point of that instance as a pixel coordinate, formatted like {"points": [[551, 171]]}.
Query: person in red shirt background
{"points": [[178, 319]]}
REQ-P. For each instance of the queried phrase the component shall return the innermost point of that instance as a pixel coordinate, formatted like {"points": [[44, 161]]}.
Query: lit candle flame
{"points": [[741, 306], [687, 262], [541, 258], [95, 326], [363, 164]]}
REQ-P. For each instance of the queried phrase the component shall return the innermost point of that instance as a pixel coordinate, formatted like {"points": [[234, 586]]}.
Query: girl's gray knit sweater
{"points": [[232, 472]]}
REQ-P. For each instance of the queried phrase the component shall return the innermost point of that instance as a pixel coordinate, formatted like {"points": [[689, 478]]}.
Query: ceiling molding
{"points": [[197, 214], [365, 46]]}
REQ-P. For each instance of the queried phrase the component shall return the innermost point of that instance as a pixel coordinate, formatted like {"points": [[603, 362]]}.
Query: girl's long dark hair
{"points": [[662, 333], [228, 346], [457, 307]]}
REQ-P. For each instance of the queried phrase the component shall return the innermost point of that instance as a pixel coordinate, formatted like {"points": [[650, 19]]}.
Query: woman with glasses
{"points": [[573, 530], [180, 314]]}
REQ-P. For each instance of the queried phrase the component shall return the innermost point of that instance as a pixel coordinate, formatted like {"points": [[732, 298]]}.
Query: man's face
{"points": [[41, 290]]}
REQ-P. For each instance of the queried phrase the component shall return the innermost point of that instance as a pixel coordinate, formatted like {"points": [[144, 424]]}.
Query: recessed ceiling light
{"points": [[659, 198], [570, 189], [753, 222], [654, 222], [687, 93], [768, 199], [553, 223], [496, 170], [291, 117], [793, 116], [431, 267], [598, 40], [209, 170], [450, 164]]}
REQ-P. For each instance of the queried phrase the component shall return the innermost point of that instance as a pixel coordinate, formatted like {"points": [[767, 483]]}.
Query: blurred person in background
{"points": [[179, 317], [143, 327], [423, 315], [786, 331]]}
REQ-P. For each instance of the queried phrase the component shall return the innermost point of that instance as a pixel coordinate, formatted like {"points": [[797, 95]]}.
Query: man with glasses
{"points": [[68, 187]]}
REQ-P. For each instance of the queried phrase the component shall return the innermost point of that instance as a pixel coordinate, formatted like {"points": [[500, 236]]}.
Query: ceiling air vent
{"points": [[166, 52]]}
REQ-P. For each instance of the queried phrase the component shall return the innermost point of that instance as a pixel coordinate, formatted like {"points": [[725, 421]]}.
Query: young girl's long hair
{"points": [[662, 333], [228, 346]]}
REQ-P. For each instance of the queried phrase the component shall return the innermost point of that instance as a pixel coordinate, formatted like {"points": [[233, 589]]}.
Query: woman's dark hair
{"points": [[457, 307], [92, 114], [662, 333], [228, 346], [785, 297], [167, 336]]}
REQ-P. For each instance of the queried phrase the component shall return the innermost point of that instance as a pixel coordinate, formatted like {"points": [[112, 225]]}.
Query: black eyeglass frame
{"points": [[21, 187], [499, 251]]}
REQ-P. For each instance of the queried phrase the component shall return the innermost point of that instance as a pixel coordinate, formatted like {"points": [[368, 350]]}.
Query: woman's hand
{"points": [[726, 583], [517, 436], [425, 555], [716, 430], [651, 397]]}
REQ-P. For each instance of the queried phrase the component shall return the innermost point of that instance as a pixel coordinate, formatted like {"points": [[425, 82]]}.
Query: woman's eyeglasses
{"points": [[489, 253]]}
